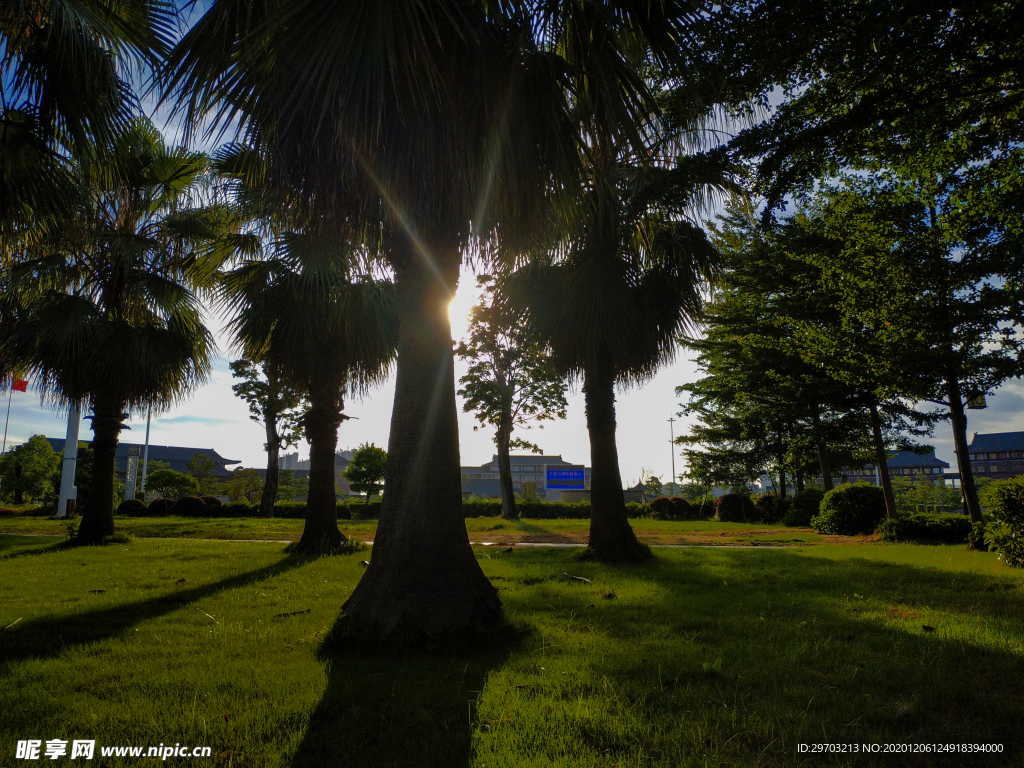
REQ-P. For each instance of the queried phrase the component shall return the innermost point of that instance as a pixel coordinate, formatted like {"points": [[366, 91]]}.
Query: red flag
{"points": [[20, 385]]}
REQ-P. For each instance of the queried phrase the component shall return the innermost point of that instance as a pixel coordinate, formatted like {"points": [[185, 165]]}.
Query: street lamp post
{"points": [[672, 442]]}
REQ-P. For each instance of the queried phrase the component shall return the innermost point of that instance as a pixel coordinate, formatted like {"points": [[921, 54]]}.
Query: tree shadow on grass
{"points": [[20, 546], [49, 636], [744, 655], [386, 709]]}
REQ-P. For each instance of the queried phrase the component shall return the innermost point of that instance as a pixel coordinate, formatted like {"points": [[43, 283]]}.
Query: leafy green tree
{"points": [[279, 408], [920, 281], [290, 486], [201, 467], [652, 484], [245, 484], [367, 469], [881, 83], [171, 484], [115, 316], [510, 382], [778, 355], [28, 470]]}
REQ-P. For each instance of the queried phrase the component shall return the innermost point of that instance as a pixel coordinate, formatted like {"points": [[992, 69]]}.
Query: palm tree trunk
{"points": [[270, 484], [423, 580], [508, 494], [98, 519], [883, 463], [321, 532], [963, 457], [611, 537]]}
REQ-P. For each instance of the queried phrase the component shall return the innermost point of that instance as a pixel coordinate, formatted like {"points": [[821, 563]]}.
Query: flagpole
{"points": [[8, 420]]}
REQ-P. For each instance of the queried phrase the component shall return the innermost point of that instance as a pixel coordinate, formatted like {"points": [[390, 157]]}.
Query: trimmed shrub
{"points": [[291, 510], [237, 509], [850, 510], [189, 506], [662, 508], [770, 508], [360, 510], [160, 506], [675, 508], [634, 509], [803, 506], [212, 503], [1005, 534], [734, 508], [926, 528], [132, 508]]}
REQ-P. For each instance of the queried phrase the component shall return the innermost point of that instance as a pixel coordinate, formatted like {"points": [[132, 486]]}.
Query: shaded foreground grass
{"points": [[702, 658], [480, 529]]}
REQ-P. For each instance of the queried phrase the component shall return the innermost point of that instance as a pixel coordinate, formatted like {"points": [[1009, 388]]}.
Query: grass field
{"points": [[704, 657], [490, 529]]}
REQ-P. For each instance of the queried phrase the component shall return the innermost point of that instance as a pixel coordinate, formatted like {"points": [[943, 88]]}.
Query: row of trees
{"points": [[568, 144]]}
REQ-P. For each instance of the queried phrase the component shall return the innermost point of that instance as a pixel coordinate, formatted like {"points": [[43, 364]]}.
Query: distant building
{"points": [[290, 461], [176, 457], [301, 468], [483, 481], [901, 464], [998, 455]]}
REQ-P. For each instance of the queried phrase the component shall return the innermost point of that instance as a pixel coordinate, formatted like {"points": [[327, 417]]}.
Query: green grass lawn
{"points": [[480, 529], [703, 657]]}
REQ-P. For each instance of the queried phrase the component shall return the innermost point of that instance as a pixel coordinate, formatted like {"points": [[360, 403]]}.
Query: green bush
{"points": [[803, 506], [734, 508], [770, 508], [132, 508], [928, 528], [160, 506], [850, 510], [1005, 534], [237, 509], [212, 503], [189, 506], [662, 508], [976, 538]]}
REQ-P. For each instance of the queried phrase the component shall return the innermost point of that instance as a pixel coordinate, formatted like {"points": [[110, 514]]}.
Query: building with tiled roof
{"points": [[998, 455], [176, 457], [901, 464]]}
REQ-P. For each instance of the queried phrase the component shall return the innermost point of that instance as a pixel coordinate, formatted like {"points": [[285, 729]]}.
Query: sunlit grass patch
{"points": [[701, 657]]}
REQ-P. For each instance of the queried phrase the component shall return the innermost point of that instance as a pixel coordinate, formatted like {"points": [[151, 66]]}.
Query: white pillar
{"points": [[68, 491], [145, 453]]}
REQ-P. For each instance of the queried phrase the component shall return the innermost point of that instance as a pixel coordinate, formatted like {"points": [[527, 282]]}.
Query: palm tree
{"points": [[115, 316], [298, 309], [66, 68], [613, 308], [431, 124]]}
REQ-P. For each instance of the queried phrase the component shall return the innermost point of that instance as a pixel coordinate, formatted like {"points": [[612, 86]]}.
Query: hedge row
{"points": [[926, 528], [208, 506]]}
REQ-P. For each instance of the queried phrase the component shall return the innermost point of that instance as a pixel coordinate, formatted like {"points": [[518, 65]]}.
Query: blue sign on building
{"points": [[565, 479]]}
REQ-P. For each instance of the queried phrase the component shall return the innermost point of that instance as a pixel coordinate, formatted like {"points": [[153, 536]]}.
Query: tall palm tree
{"points": [[115, 316], [434, 124], [298, 309], [613, 308]]}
